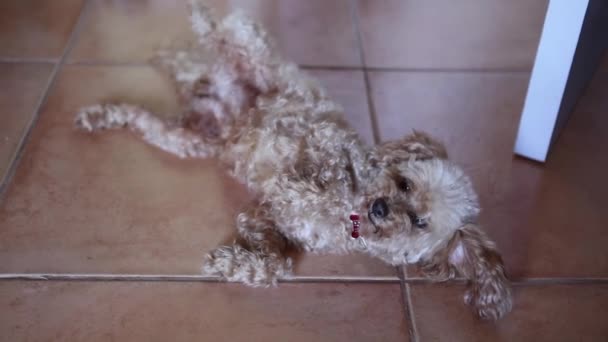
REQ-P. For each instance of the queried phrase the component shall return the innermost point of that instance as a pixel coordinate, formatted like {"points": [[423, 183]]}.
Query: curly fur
{"points": [[279, 134]]}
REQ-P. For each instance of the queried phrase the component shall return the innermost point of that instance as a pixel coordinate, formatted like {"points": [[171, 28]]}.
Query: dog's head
{"points": [[422, 208]]}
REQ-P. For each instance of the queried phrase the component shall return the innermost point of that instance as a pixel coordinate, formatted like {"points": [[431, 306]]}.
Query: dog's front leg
{"points": [[186, 72], [258, 259]]}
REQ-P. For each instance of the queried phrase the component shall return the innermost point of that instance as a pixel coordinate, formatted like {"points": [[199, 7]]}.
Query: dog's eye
{"points": [[404, 185]]}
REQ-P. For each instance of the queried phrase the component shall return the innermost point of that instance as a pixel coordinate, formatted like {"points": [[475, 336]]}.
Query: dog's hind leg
{"points": [[180, 141], [258, 259], [244, 46]]}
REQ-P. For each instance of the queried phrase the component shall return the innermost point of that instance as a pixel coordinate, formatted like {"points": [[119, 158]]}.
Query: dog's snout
{"points": [[416, 220], [380, 208]]}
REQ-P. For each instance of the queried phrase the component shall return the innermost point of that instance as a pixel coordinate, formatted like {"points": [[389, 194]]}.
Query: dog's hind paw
{"points": [[105, 116], [237, 264], [92, 118]]}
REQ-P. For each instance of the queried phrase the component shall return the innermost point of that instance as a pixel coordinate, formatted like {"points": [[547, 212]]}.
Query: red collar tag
{"points": [[356, 224]]}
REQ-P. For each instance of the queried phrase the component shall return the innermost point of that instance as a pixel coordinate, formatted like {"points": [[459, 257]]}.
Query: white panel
{"points": [[558, 41]]}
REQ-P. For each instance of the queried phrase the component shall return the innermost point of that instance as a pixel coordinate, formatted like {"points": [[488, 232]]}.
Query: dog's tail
{"points": [[238, 39]]}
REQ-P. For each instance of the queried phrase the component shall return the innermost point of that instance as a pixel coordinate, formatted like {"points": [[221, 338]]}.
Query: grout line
{"points": [[28, 60], [107, 63], [325, 67], [559, 281], [331, 67], [448, 70], [16, 158], [407, 305], [517, 282], [104, 277], [368, 88], [333, 279], [145, 64], [412, 315], [295, 279], [181, 277]]}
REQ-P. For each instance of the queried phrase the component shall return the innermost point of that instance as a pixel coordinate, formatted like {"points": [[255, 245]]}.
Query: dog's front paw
{"points": [[237, 264], [490, 301]]}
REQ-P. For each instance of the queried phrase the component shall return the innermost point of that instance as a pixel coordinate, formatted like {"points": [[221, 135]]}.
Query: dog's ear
{"points": [[417, 145], [424, 146], [471, 254]]}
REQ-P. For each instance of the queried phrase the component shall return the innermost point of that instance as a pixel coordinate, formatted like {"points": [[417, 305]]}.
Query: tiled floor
{"points": [[120, 228]]}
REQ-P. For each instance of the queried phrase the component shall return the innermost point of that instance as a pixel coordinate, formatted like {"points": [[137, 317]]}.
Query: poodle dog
{"points": [[317, 185]]}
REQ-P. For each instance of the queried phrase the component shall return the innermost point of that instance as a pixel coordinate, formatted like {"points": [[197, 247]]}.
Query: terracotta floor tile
{"points": [[550, 220], [131, 31], [107, 203], [311, 32], [39, 29], [348, 89], [448, 34], [554, 218], [110, 204], [22, 85], [541, 313], [125, 311], [475, 114]]}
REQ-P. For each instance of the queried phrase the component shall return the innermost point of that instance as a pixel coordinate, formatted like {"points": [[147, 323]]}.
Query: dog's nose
{"points": [[380, 208]]}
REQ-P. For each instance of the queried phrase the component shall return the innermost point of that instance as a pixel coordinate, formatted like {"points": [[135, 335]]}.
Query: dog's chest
{"points": [[318, 223], [320, 235]]}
